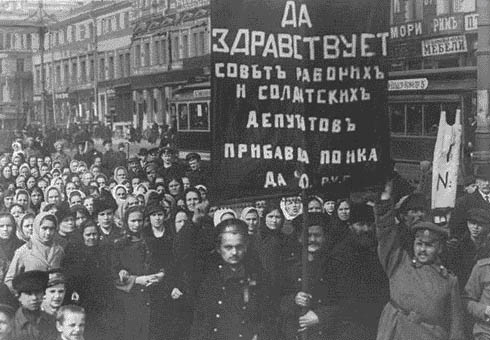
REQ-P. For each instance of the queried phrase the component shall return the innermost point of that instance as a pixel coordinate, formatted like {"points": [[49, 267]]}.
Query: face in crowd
{"points": [[427, 246], [232, 248], [343, 211], [274, 220]]}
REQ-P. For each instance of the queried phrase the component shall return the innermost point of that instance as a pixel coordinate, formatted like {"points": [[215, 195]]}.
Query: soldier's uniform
{"points": [[232, 305], [425, 302], [477, 297]]}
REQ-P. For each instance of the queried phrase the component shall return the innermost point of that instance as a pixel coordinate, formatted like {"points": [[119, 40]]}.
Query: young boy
{"points": [[70, 322], [29, 321], [55, 293], [425, 301]]}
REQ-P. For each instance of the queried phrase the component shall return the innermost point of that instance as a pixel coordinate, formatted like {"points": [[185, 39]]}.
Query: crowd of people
{"points": [[109, 246]]}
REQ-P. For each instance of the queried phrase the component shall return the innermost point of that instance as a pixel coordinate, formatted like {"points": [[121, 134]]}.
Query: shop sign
{"points": [[444, 46], [184, 5], [202, 93], [36, 98], [447, 24], [471, 22], [408, 30], [408, 84], [63, 95], [111, 93]]}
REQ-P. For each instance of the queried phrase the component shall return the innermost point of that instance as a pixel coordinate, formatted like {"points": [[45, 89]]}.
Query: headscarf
{"points": [[8, 247], [20, 232], [219, 214], [114, 195], [287, 216], [48, 189], [25, 165], [141, 189], [48, 250], [119, 168], [246, 211]]}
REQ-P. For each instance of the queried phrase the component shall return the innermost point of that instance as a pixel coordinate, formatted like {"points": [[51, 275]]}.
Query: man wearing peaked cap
{"points": [[29, 321], [55, 292], [480, 198], [434, 310], [234, 300], [196, 173]]}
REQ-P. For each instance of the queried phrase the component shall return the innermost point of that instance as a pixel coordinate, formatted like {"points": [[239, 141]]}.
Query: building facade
{"points": [[171, 50], [433, 69], [19, 27], [87, 53]]}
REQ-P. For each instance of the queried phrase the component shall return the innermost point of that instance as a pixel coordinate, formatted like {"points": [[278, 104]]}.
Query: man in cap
{"points": [[30, 322], [134, 168], [55, 292], [170, 167], [472, 247], [110, 159], [151, 173], [91, 152], [425, 301], [480, 198], [318, 309], [152, 156], [233, 299], [59, 155], [196, 173]]}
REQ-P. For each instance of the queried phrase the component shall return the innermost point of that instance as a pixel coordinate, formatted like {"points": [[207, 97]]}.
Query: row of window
{"points": [[82, 31], [177, 45], [15, 41], [412, 10], [19, 65], [419, 119]]}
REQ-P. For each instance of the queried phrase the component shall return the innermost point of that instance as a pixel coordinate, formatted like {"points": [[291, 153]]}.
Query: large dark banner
{"points": [[299, 87]]}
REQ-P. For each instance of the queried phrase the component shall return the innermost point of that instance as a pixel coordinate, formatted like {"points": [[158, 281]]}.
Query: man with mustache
{"points": [[369, 286], [425, 302], [234, 298], [320, 309]]}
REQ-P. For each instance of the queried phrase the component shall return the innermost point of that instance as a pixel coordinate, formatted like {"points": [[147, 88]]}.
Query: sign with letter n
{"points": [[299, 90]]}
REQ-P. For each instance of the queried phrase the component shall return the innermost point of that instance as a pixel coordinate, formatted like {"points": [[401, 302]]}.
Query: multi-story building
{"points": [[19, 27], [171, 50], [433, 69], [87, 54]]}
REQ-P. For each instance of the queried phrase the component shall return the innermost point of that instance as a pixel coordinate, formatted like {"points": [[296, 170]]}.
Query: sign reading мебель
{"points": [[443, 46], [299, 87]]}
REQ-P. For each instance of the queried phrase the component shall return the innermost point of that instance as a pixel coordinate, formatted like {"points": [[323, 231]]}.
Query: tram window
{"points": [[397, 114], [183, 117], [414, 119], [432, 113], [199, 116]]}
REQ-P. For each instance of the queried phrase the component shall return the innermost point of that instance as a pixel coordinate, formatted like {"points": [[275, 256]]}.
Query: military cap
{"points": [[361, 212], [430, 227], [30, 281], [167, 149], [55, 277], [483, 172], [479, 216], [143, 152], [104, 204], [150, 166], [232, 225], [107, 141], [191, 156]]}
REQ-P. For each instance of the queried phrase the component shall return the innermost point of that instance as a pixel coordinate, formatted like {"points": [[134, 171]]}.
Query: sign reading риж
{"points": [[299, 87]]}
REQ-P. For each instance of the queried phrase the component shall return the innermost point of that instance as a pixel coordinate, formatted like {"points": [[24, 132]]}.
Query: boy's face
{"points": [[72, 327], [55, 295], [31, 300], [5, 326]]}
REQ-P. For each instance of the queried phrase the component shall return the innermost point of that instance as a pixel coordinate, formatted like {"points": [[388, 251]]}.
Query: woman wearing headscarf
{"points": [[120, 194], [9, 243], [250, 215], [42, 252], [6, 177], [223, 214], [7, 200], [25, 227], [87, 268], [23, 198], [137, 277], [36, 198], [53, 195]]}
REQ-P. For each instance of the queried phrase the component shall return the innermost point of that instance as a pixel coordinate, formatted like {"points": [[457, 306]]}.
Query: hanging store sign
{"points": [[444, 46], [464, 6], [447, 24], [184, 5], [408, 84], [63, 95], [471, 22], [297, 88]]}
